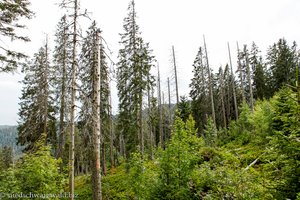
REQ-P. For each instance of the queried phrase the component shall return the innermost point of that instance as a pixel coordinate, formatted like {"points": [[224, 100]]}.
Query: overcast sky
{"points": [[164, 23]]}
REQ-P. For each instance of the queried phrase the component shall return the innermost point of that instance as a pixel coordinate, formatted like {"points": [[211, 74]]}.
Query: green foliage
{"points": [[36, 107], [35, 173], [199, 90], [259, 73], [239, 130], [39, 173], [286, 144], [83, 187], [133, 79], [115, 185], [12, 12], [6, 157], [210, 133], [184, 108], [9, 184], [133, 180], [223, 182], [256, 158], [177, 161], [282, 60]]}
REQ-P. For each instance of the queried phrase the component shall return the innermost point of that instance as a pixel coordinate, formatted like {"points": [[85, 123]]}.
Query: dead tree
{"points": [[96, 170], [233, 85], [175, 71], [160, 109], [210, 85], [241, 73]]}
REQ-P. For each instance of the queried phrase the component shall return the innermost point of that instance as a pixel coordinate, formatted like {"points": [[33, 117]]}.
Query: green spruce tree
{"points": [[199, 92], [282, 62], [135, 62], [60, 81], [259, 73], [36, 107]]}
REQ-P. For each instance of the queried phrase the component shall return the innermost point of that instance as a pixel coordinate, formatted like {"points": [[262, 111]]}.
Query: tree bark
{"points": [[210, 85], [111, 146], [221, 77], [61, 140], [176, 80], [73, 104], [241, 74], [160, 111], [46, 92], [249, 79], [96, 172], [233, 85]]}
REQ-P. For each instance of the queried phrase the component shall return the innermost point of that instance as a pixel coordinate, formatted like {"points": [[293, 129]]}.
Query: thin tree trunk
{"points": [[241, 74], [111, 146], [160, 110], [46, 92], [170, 112], [96, 172], [150, 122], [222, 97], [61, 140], [103, 158], [122, 144], [169, 97], [233, 85], [73, 104], [298, 86], [176, 80], [210, 85], [249, 80], [141, 122]]}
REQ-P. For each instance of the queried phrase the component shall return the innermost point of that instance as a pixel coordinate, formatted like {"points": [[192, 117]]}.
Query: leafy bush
{"points": [[177, 161], [36, 173]]}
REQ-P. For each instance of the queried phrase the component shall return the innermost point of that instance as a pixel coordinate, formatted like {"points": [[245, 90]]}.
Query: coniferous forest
{"points": [[236, 136]]}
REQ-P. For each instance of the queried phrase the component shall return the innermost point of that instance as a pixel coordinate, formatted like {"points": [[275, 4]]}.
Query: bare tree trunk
{"points": [[73, 104], [210, 85], [233, 85], [222, 96], [170, 111], [241, 73], [46, 92], [103, 158], [111, 146], [150, 122], [122, 146], [176, 80], [61, 139], [160, 110], [96, 172], [169, 97], [249, 79], [141, 122]]}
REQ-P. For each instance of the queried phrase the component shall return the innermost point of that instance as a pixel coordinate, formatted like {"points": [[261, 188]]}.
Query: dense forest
{"points": [[236, 136], [8, 138]]}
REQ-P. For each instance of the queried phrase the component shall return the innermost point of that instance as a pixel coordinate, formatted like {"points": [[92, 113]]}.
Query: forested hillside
{"points": [[236, 136], [8, 138]]}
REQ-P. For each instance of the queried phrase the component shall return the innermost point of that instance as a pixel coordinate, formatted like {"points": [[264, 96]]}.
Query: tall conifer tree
{"points": [[36, 111], [61, 81], [135, 62], [199, 90]]}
